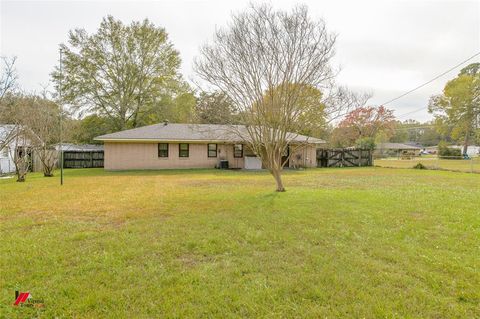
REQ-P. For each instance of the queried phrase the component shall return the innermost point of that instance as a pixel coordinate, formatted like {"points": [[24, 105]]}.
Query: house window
{"points": [[183, 150], [212, 150], [163, 150], [238, 150]]}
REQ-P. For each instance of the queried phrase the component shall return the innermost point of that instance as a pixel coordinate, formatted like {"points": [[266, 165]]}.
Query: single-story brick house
{"points": [[169, 145], [396, 149]]}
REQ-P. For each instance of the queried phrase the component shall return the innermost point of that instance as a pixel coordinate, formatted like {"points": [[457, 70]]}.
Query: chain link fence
{"points": [[449, 163]]}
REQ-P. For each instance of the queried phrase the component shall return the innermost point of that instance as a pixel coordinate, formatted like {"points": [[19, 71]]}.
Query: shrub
{"points": [[419, 166], [365, 143], [448, 152]]}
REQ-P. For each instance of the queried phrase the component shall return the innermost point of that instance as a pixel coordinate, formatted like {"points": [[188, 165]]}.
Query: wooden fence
{"points": [[82, 159], [344, 157]]}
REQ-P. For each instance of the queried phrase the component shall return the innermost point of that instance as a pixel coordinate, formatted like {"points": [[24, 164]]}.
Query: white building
{"points": [[6, 160], [7, 153], [472, 150]]}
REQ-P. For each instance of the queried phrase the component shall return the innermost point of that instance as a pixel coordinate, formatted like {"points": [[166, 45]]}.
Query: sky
{"points": [[384, 47]]}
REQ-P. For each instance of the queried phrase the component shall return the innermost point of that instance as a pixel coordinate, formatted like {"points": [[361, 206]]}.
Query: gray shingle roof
{"points": [[79, 147], [191, 132], [8, 131], [5, 130]]}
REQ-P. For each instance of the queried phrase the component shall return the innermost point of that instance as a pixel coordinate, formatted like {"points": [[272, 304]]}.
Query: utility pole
{"points": [[61, 119]]}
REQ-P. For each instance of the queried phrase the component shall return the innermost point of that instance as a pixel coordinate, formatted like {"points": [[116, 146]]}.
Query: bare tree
{"points": [[43, 121], [8, 82], [33, 129], [8, 76], [32, 123], [266, 62], [21, 137], [21, 153]]}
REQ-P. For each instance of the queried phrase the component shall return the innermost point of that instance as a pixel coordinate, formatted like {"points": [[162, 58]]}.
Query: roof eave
{"points": [[154, 140]]}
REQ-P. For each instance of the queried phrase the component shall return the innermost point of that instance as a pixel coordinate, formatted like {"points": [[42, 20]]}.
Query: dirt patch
{"points": [[193, 260], [417, 215]]}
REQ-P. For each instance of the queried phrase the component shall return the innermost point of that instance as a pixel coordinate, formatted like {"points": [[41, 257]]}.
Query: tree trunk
{"points": [[465, 143], [48, 159], [21, 168], [21, 175], [278, 179]]}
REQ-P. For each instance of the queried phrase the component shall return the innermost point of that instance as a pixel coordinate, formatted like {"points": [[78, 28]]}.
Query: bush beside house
{"points": [[448, 152]]}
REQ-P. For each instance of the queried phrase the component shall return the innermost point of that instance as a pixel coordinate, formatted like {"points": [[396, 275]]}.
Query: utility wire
{"points": [[428, 82], [413, 128], [414, 111]]}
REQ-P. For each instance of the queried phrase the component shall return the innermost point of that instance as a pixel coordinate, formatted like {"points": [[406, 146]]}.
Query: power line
{"points": [[428, 82], [414, 127], [414, 111]]}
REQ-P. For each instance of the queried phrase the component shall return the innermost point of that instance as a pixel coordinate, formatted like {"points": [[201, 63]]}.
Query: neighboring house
{"points": [[6, 161], [415, 144], [431, 149], [168, 145], [472, 150], [396, 149], [12, 145]]}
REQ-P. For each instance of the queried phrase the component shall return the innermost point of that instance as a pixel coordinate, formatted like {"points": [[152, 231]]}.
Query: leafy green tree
{"points": [[429, 137], [366, 143], [362, 124], [310, 114], [471, 69], [179, 109], [457, 110], [415, 131], [215, 108], [85, 130], [313, 118], [126, 73], [400, 135]]}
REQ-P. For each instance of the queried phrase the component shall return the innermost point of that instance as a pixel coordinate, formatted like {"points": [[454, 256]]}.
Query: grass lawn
{"points": [[472, 165], [360, 242]]}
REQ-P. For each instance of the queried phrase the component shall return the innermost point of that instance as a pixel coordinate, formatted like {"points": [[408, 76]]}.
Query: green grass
{"points": [[360, 242], [460, 165]]}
